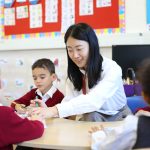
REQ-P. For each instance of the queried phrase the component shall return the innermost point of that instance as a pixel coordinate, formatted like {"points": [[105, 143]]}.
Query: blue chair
{"points": [[136, 102]]}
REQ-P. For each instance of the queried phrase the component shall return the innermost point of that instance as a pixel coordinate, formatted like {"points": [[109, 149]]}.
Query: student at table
{"points": [[94, 87], [43, 71], [134, 133], [14, 129]]}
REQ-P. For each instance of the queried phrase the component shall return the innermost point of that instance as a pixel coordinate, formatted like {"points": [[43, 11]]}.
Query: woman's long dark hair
{"points": [[82, 31]]}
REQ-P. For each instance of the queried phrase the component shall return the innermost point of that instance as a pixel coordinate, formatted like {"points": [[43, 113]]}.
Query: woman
{"points": [[101, 97]]}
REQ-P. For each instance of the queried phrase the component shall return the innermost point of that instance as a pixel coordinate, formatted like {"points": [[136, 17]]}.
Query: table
{"points": [[66, 134]]}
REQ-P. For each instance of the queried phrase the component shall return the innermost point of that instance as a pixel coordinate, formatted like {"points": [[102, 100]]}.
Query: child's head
{"points": [[82, 38], [143, 76], [83, 53], [43, 72]]}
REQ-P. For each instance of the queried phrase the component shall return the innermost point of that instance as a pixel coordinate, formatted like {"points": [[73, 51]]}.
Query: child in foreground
{"points": [[43, 71], [14, 129], [134, 133]]}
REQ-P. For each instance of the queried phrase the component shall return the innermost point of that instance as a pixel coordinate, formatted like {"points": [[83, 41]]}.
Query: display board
{"points": [[102, 17], [106, 15]]}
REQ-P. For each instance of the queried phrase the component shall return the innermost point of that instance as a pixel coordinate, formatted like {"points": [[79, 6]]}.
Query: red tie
{"points": [[83, 85]]}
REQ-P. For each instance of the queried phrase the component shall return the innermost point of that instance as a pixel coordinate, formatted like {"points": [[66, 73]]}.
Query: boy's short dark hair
{"points": [[44, 63], [143, 75]]}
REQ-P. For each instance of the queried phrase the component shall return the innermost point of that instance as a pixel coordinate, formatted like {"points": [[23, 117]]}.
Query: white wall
{"points": [[16, 74], [135, 16], [29, 50]]}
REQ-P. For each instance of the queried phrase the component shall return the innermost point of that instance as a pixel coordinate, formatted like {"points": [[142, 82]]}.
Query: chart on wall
{"points": [[40, 18]]}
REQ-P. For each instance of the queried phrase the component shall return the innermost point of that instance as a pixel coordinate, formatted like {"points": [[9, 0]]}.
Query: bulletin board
{"points": [[105, 20], [22, 25]]}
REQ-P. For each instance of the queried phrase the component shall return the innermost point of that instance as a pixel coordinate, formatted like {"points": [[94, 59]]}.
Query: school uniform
{"points": [[134, 133], [143, 132], [51, 98], [103, 102], [144, 108], [14, 129]]}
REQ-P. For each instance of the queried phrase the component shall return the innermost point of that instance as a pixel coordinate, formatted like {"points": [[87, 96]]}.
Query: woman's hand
{"points": [[48, 112], [37, 101], [36, 117]]}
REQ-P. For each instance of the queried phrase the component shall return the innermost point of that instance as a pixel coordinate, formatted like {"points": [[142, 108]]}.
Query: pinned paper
{"points": [[9, 14], [33, 2], [87, 9], [35, 16], [22, 12], [19, 82], [19, 62], [8, 3]]}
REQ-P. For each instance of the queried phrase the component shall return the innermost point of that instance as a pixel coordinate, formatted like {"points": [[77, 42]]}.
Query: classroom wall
{"points": [[15, 62], [16, 73]]}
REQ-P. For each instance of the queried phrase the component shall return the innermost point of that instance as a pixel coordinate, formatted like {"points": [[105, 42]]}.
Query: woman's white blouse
{"points": [[106, 97]]}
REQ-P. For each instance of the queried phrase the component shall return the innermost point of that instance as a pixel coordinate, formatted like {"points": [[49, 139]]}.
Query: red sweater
{"points": [[144, 108], [14, 129], [57, 98]]}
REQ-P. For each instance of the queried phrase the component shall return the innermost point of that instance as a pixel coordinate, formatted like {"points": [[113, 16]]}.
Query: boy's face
{"points": [[43, 79]]}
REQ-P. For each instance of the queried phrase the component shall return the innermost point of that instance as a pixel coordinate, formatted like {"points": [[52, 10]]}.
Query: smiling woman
{"points": [[103, 98]]}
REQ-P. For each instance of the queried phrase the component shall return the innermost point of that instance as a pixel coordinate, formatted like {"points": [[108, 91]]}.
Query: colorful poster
{"points": [[43, 22]]}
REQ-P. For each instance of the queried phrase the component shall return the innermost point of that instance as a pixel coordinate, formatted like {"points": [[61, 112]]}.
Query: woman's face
{"points": [[78, 51]]}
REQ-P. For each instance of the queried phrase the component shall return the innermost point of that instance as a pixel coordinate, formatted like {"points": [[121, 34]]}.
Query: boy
{"points": [[43, 71], [134, 133], [14, 129]]}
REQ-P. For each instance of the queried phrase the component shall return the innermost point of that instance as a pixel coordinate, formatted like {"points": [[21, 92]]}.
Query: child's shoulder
{"points": [[59, 92], [5, 110]]}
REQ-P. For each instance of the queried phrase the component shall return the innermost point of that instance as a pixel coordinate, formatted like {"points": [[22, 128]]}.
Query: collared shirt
{"points": [[107, 96], [127, 132], [122, 137], [48, 94]]}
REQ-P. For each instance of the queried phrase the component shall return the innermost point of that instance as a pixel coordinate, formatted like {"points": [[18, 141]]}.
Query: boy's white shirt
{"points": [[48, 94], [122, 137]]}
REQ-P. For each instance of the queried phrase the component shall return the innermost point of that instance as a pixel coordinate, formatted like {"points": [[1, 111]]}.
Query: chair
{"points": [[136, 102]]}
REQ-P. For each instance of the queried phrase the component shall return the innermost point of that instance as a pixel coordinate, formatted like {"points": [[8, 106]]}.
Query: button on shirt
{"points": [[48, 94], [107, 96]]}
